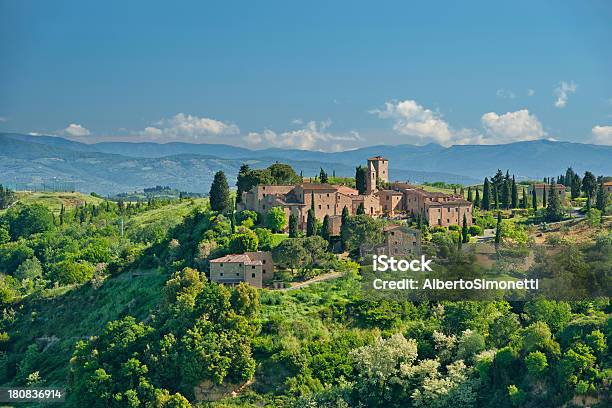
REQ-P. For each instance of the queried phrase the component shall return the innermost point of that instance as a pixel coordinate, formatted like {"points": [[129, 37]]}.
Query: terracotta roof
{"points": [[392, 192], [237, 258], [377, 158], [452, 203], [607, 183], [318, 186], [542, 185]]}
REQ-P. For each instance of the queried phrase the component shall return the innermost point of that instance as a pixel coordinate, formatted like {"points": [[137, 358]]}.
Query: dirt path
{"points": [[320, 278]]}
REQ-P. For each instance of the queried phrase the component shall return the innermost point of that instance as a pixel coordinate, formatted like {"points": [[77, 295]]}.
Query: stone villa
{"points": [[400, 241], [540, 187], [254, 268], [437, 209]]}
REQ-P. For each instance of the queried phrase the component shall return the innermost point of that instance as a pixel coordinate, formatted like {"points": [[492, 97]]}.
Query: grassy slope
{"points": [[54, 201], [72, 313]]}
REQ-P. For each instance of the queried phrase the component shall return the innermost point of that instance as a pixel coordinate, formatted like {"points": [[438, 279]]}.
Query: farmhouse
{"points": [[254, 268], [399, 241], [329, 200], [540, 187], [608, 187]]}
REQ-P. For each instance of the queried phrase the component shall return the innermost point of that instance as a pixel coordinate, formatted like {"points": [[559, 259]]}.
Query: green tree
{"points": [[360, 179], [29, 269], [360, 209], [576, 186], [486, 195], [219, 194], [361, 229], [30, 220], [514, 194], [498, 228], [524, 199], [325, 228], [534, 199], [554, 212], [477, 199], [544, 195], [470, 197], [4, 235], [264, 236], [602, 199], [311, 223], [276, 219], [293, 226], [243, 183], [506, 194], [464, 230], [323, 176], [589, 184], [242, 242]]}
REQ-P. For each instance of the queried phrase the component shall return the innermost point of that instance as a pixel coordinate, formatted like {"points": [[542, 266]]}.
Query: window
{"points": [[221, 265], [392, 233], [319, 206], [221, 274], [237, 274], [253, 267], [328, 206], [263, 261], [253, 275]]}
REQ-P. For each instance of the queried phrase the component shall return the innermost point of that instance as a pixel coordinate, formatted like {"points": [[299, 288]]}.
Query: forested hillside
{"points": [[111, 301]]}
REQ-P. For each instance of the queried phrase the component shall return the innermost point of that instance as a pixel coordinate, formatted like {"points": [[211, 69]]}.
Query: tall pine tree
{"points": [[534, 198], [360, 179], [554, 212], [601, 201], [515, 200], [486, 195], [470, 198], [220, 194], [293, 226], [498, 229], [477, 199], [464, 230]]}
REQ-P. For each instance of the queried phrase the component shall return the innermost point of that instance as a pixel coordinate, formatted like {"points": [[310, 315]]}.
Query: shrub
{"points": [[475, 230]]}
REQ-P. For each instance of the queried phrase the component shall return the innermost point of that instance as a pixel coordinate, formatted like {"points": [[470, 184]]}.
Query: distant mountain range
{"points": [[112, 167]]}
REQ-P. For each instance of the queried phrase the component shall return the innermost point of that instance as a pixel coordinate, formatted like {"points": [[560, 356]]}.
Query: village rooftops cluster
{"points": [[329, 200]]}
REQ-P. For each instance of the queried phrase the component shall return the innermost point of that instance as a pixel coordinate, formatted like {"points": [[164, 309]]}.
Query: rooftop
{"points": [[237, 258], [377, 158]]}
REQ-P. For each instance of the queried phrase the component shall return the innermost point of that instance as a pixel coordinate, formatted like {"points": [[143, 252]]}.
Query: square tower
{"points": [[378, 169]]}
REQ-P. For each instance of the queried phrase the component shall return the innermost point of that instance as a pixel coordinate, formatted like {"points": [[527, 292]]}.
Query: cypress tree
{"points": [[343, 225], [323, 176], [464, 229], [477, 199], [470, 198], [544, 199], [361, 209], [534, 198], [310, 223], [220, 194], [505, 194], [524, 202], [515, 199], [486, 195], [242, 182], [576, 186], [601, 201], [498, 228], [61, 215], [325, 234], [293, 226], [554, 211], [360, 179]]}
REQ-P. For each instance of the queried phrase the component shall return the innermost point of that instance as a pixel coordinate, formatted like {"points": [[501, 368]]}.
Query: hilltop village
{"points": [[381, 198], [328, 202]]}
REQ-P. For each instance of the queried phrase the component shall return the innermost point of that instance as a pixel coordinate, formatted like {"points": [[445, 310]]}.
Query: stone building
{"points": [[540, 187], [254, 268], [400, 241], [378, 170], [608, 187], [438, 209]]}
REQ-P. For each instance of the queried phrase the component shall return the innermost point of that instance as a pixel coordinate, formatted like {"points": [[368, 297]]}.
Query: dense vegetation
{"points": [[111, 300]]}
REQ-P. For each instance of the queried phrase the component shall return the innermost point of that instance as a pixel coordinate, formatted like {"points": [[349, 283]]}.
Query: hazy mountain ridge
{"points": [[112, 167]]}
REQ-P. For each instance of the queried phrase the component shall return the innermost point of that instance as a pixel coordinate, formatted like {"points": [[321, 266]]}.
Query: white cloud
{"points": [[511, 127], [414, 120], [313, 136], [76, 130], [505, 94], [188, 128], [563, 91], [422, 125], [530, 92], [602, 135]]}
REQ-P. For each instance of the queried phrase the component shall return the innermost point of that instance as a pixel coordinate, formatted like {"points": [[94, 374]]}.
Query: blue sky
{"points": [[314, 75]]}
